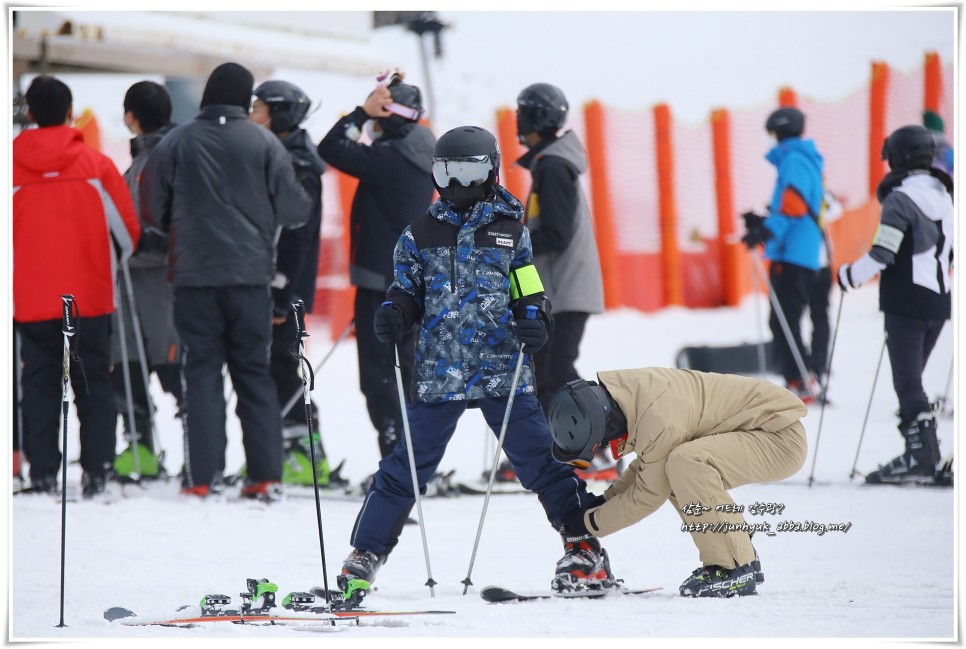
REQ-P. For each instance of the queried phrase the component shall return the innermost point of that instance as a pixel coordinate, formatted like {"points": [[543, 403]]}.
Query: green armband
{"points": [[524, 281]]}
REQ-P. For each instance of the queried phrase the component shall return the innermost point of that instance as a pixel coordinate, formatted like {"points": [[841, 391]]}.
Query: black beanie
{"points": [[230, 84]]}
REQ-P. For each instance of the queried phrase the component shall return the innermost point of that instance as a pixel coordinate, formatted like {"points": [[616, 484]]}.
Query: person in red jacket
{"points": [[73, 221]]}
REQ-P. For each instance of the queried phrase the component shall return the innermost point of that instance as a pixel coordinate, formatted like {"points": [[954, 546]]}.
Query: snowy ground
{"points": [[892, 575]]}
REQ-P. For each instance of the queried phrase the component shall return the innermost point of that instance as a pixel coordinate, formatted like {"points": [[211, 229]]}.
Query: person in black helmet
{"points": [[913, 253], [696, 435], [465, 281], [557, 215], [792, 234], [395, 187], [281, 106]]}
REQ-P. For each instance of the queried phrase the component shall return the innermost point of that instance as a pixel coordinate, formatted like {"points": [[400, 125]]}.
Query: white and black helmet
{"points": [[287, 104]]}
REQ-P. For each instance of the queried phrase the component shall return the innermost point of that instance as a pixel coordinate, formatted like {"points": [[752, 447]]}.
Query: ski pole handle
{"points": [[69, 328], [298, 308], [531, 312]]}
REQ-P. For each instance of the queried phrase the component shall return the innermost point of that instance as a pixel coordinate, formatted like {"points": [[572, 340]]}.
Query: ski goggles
{"points": [[412, 114], [468, 171]]}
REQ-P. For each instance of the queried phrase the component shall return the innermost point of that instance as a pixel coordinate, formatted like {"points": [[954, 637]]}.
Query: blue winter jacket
{"points": [[797, 240], [453, 278]]}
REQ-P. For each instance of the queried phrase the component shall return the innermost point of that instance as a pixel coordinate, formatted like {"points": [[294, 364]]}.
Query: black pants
{"points": [[285, 367], [169, 376], [910, 341], [555, 368], [818, 297], [791, 284], [377, 374], [228, 325], [42, 353]]}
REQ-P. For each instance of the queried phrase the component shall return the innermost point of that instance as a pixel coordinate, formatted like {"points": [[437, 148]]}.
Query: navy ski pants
{"points": [[527, 445]]}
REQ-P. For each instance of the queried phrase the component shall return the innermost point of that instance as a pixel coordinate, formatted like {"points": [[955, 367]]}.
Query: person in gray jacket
{"points": [[696, 435], [147, 114], [561, 230], [221, 186]]}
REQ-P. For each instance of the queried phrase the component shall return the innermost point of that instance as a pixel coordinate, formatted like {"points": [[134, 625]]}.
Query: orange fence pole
{"points": [[730, 248], [87, 124], [932, 82], [512, 175], [342, 308], [603, 217], [787, 98], [670, 253], [878, 89]]}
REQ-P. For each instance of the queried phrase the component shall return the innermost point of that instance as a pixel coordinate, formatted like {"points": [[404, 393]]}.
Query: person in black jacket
{"points": [[913, 254], [395, 187], [281, 106], [221, 186], [147, 114]]}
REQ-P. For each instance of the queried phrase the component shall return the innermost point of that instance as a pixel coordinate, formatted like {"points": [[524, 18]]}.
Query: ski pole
{"points": [[776, 305], [762, 366], [128, 395], [142, 358], [18, 376], [824, 392], [869, 408], [315, 370], [69, 330], [412, 464], [531, 314], [308, 384]]}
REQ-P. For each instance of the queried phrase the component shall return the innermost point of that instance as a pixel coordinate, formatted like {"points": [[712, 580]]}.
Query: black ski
{"points": [[496, 594]]}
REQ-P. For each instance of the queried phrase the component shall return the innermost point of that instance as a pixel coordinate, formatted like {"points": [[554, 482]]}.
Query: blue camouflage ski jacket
{"points": [[464, 281]]}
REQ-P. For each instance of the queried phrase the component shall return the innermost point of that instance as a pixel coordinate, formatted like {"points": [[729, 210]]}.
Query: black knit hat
{"points": [[230, 84]]}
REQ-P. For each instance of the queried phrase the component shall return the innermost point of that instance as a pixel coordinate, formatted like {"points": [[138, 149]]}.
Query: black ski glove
{"points": [[389, 323], [532, 333], [573, 521], [757, 232]]}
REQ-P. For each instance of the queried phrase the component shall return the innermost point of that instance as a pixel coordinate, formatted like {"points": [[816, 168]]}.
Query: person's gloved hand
{"points": [[532, 333], [573, 520], [389, 323], [845, 278], [757, 232]]}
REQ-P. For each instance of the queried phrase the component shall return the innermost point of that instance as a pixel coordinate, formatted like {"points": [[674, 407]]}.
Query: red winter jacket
{"points": [[69, 204]]}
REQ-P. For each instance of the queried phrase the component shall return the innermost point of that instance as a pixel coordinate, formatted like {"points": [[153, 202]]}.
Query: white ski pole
{"points": [[412, 466], [128, 396], [828, 374], [69, 330], [531, 314], [868, 409]]}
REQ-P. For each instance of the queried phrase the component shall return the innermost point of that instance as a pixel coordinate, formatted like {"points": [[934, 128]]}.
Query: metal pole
{"points": [[412, 466], [69, 330], [128, 396], [785, 328], [315, 370], [868, 409], [762, 366], [828, 374], [531, 313], [142, 357], [308, 384]]}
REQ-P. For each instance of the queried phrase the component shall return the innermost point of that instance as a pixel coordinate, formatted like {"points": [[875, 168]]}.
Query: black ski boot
{"points": [[917, 465], [584, 566], [358, 572], [715, 581]]}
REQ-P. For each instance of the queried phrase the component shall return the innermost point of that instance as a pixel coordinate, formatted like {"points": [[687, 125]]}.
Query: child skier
{"points": [[464, 275]]}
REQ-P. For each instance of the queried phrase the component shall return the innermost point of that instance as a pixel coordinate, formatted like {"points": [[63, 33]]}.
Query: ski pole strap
{"points": [[524, 281]]}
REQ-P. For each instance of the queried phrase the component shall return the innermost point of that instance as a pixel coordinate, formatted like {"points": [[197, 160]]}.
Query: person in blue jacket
{"points": [[465, 280], [792, 235]]}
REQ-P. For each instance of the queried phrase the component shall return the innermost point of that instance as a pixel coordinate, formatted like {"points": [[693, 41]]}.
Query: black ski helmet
{"points": [[287, 104], [909, 147], [462, 143], [785, 123], [541, 108], [405, 95], [578, 422]]}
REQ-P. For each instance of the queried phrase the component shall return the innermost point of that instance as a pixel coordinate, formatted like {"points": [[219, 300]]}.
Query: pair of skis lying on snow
{"points": [[258, 607]]}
